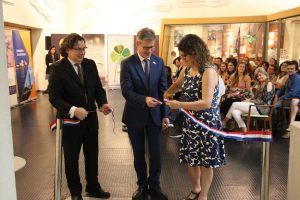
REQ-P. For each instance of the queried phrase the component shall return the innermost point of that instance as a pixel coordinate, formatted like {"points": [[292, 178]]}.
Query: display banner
{"points": [[24, 65], [96, 51], [12, 83], [119, 47]]}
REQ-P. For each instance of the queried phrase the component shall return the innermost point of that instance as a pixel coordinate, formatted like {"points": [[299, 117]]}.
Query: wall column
{"points": [[7, 174]]}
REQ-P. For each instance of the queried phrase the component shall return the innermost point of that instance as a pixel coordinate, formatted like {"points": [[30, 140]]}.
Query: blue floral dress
{"points": [[198, 146]]}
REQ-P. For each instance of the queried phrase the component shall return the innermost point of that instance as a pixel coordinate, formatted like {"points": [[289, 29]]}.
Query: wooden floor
{"points": [[239, 179]]}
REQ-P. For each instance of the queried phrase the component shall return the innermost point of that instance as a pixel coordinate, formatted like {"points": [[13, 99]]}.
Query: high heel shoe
{"points": [[192, 196]]}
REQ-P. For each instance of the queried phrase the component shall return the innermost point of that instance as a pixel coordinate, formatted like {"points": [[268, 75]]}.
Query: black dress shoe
{"points": [[98, 194], [157, 194], [76, 197], [140, 194]]}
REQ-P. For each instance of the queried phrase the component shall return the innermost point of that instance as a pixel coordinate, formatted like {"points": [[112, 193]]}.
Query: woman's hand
{"points": [[168, 95], [173, 104], [233, 94]]}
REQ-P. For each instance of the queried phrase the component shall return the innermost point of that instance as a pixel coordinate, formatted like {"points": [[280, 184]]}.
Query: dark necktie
{"points": [[146, 69], [80, 73]]}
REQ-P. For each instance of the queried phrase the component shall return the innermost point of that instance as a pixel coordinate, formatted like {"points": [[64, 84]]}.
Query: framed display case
{"points": [[290, 41], [255, 37]]}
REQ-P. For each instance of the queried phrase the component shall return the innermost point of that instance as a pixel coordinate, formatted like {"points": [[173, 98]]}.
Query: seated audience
{"points": [[238, 87], [231, 66], [252, 68], [257, 62], [290, 90], [273, 62], [217, 61], [223, 72], [272, 72], [264, 94], [282, 76], [265, 65]]}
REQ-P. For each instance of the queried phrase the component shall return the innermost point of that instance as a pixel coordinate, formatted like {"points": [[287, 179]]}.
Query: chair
{"points": [[267, 119]]}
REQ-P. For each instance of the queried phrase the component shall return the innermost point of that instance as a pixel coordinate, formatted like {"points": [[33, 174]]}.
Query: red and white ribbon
{"points": [[66, 122], [262, 136], [75, 122]]}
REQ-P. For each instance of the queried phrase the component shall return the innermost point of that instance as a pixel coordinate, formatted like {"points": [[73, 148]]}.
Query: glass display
{"points": [[223, 40], [273, 39], [238, 37], [289, 49]]}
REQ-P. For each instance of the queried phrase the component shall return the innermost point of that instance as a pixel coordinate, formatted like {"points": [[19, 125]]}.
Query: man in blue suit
{"points": [[143, 82]]}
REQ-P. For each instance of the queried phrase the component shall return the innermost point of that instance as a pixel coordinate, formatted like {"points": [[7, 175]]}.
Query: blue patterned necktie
{"points": [[146, 69]]}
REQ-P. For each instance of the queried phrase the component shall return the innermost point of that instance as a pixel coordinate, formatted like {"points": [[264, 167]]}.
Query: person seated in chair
{"points": [[264, 94], [290, 90], [238, 89]]}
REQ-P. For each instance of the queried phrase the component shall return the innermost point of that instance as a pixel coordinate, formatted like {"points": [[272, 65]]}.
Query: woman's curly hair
{"points": [[193, 45]]}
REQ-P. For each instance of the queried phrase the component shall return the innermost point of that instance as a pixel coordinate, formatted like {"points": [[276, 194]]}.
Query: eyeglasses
{"points": [[148, 48], [79, 49]]}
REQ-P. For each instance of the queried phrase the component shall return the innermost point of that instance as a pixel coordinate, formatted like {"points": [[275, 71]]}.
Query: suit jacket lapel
{"points": [[140, 71], [153, 66]]}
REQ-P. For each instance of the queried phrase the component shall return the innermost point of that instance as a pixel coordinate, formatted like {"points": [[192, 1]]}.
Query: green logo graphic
{"points": [[117, 55]]}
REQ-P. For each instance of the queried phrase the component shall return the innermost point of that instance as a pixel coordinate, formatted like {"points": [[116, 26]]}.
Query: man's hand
{"points": [[80, 113], [165, 123], [106, 109], [152, 102]]}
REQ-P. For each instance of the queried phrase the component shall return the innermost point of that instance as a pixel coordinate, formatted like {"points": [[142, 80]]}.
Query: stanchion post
{"points": [[58, 160], [264, 190]]}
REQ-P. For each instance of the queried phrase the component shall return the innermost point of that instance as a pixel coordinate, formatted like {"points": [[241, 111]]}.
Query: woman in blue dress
{"points": [[200, 149]]}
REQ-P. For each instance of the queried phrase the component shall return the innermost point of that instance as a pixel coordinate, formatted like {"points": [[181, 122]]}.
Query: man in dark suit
{"points": [[143, 82], [74, 86]]}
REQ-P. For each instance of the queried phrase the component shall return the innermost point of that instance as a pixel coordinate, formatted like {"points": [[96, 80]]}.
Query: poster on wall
{"points": [[95, 51], [56, 40], [119, 47], [12, 83], [23, 65]]}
